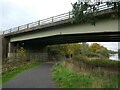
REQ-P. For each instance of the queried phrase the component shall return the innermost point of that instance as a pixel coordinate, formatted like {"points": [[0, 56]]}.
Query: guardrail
{"points": [[40, 23], [53, 19]]}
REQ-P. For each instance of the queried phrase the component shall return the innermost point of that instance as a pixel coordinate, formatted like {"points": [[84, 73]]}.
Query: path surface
{"points": [[38, 77]]}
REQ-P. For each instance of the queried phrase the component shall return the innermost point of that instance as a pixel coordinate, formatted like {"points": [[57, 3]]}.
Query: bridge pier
{"points": [[11, 49], [4, 46], [34, 51], [37, 52]]}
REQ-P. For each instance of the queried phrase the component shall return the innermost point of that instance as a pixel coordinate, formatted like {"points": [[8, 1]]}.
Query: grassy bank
{"points": [[98, 62], [66, 77], [69, 79], [7, 76]]}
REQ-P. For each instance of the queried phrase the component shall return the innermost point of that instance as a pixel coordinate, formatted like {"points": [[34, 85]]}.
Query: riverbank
{"points": [[68, 78], [81, 73], [94, 63]]}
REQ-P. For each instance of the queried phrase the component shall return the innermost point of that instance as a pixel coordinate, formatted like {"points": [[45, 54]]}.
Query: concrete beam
{"points": [[103, 25]]}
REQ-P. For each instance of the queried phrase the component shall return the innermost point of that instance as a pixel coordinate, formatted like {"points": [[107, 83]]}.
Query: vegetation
{"points": [[98, 62], [68, 78], [9, 75], [84, 11], [18, 62], [119, 51], [89, 66], [94, 50]]}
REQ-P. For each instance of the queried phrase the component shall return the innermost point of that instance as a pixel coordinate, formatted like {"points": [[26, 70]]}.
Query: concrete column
{"points": [[10, 49], [4, 47], [37, 52]]}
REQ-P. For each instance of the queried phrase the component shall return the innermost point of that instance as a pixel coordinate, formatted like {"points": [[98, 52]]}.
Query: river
{"points": [[114, 57]]}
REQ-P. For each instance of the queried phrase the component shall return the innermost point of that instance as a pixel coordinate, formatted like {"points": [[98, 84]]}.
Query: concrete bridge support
{"points": [[33, 51], [37, 51], [4, 45], [11, 49]]}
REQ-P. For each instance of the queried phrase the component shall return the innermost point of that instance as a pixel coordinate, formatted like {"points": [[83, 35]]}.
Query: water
{"points": [[114, 57]]}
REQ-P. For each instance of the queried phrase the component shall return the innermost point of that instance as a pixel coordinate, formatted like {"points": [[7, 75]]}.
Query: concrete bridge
{"points": [[59, 30]]}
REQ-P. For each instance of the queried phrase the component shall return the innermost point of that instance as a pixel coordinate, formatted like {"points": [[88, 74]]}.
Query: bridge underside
{"points": [[38, 46], [74, 38]]}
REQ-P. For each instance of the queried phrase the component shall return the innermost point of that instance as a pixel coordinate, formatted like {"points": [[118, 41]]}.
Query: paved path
{"points": [[38, 77]]}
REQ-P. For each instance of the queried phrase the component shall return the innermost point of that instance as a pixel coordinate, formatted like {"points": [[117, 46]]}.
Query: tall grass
{"points": [[73, 77], [98, 62], [70, 79]]}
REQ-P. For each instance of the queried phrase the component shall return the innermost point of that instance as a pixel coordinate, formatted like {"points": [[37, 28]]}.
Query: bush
{"points": [[100, 62], [21, 54]]}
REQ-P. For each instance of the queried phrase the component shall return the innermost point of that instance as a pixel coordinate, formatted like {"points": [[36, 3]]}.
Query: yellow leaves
{"points": [[94, 47], [70, 52], [64, 49]]}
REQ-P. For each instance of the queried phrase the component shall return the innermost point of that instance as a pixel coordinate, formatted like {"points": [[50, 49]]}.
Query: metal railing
{"points": [[40, 23], [50, 20]]}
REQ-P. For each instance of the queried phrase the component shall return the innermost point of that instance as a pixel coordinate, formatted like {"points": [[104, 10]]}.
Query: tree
{"points": [[84, 11], [103, 52], [119, 51], [21, 54], [64, 49], [99, 50], [85, 49], [94, 47]]}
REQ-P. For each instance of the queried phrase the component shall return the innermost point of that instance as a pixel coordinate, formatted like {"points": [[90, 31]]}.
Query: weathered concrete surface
{"points": [[38, 77], [5, 42]]}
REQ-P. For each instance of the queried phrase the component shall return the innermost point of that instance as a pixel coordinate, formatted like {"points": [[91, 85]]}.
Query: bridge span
{"points": [[59, 30]]}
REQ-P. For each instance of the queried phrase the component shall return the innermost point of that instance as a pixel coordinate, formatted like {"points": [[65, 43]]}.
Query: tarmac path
{"points": [[38, 77]]}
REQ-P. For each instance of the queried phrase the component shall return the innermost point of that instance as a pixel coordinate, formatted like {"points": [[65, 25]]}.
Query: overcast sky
{"points": [[19, 12]]}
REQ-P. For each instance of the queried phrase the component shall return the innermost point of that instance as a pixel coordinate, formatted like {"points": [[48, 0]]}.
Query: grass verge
{"points": [[6, 77], [66, 78], [70, 79]]}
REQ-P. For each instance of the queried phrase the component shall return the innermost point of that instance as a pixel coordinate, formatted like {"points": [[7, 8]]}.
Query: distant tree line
{"points": [[65, 50]]}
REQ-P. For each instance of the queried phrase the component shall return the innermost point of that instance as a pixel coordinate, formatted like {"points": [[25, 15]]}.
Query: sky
{"points": [[14, 13], [20, 12]]}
